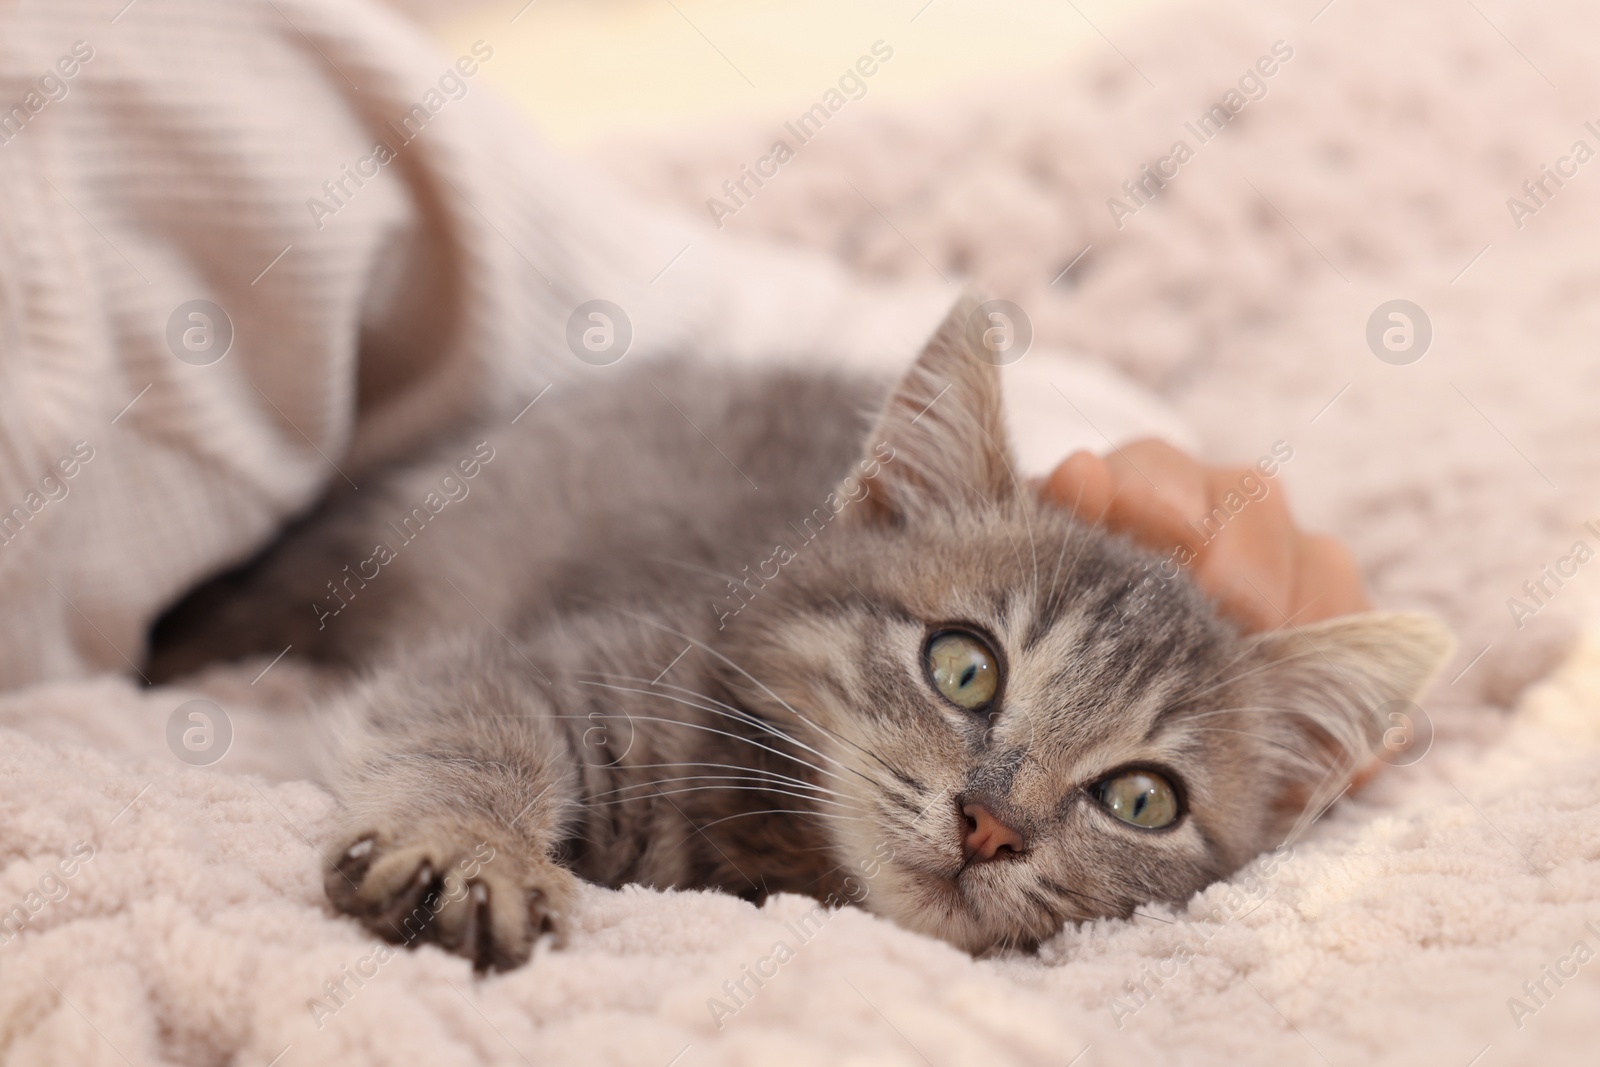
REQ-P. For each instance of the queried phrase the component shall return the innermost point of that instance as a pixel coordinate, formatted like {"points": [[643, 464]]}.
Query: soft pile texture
{"points": [[1407, 918]]}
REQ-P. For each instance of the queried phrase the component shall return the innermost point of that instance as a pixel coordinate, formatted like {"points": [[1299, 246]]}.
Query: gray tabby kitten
{"points": [[722, 629]]}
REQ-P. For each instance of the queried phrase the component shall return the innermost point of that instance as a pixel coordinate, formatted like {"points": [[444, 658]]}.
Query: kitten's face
{"points": [[1024, 724]]}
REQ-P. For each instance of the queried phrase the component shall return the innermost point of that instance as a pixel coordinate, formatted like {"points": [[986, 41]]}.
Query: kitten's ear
{"points": [[1340, 679], [940, 443]]}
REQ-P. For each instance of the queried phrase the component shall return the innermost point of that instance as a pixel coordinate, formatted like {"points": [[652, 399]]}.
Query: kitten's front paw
{"points": [[464, 890]]}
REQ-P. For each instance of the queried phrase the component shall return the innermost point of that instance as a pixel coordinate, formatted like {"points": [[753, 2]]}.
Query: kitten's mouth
{"points": [[965, 904], [955, 882], [959, 875], [942, 894]]}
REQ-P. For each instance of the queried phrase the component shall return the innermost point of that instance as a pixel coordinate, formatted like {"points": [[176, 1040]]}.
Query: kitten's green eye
{"points": [[963, 670], [1139, 798]]}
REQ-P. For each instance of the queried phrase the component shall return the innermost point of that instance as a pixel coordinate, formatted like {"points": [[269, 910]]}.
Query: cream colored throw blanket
{"points": [[175, 158]]}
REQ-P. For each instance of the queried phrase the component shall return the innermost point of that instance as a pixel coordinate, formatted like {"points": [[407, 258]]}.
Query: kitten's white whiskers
{"points": [[1061, 890], [732, 712], [783, 811], [737, 767], [714, 730], [722, 788], [1245, 708], [686, 565], [1230, 680], [759, 779], [1295, 752], [744, 717], [760, 684]]}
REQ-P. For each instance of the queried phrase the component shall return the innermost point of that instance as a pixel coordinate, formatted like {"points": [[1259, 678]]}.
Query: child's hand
{"points": [[1262, 569]]}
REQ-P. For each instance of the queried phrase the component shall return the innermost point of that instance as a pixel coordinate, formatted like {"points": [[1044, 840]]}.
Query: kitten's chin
{"points": [[940, 905]]}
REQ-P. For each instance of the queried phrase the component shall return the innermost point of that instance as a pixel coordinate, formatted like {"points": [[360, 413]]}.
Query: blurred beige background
{"points": [[585, 70]]}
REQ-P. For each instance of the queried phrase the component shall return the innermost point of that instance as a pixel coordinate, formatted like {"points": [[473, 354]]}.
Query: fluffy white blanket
{"points": [[1449, 914]]}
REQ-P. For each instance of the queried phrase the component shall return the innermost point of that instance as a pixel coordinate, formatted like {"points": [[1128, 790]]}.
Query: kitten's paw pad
{"points": [[481, 900]]}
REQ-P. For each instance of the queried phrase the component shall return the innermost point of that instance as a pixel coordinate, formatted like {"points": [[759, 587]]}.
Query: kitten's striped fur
{"points": [[554, 683]]}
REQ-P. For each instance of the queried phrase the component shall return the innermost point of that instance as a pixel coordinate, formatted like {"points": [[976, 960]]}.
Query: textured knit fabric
{"points": [[1435, 918], [389, 247]]}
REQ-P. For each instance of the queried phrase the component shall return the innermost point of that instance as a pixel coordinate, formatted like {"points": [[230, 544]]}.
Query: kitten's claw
{"points": [[407, 906], [466, 891], [353, 862], [544, 918]]}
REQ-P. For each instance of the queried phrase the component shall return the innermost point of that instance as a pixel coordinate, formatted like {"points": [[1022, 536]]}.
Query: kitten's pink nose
{"points": [[986, 836]]}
